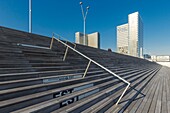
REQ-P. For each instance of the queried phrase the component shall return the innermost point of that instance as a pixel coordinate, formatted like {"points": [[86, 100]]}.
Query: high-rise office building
{"points": [[133, 35], [122, 39], [92, 40]]}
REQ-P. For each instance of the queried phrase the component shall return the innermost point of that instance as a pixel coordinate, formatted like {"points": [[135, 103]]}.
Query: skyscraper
{"points": [[122, 39], [131, 35], [135, 35]]}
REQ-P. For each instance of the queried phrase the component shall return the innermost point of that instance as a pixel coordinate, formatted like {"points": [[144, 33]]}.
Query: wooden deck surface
{"points": [[156, 98]]}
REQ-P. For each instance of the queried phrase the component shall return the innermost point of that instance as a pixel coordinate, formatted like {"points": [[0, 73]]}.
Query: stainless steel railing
{"points": [[59, 37], [90, 61]]}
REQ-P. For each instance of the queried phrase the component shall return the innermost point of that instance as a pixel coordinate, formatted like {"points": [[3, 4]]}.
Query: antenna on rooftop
{"points": [[30, 16]]}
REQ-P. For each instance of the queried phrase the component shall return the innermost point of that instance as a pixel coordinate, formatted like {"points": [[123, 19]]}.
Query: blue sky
{"points": [[64, 17]]}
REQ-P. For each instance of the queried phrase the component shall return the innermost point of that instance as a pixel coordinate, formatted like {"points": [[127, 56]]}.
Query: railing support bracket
{"points": [[51, 45], [87, 69], [65, 54], [122, 94]]}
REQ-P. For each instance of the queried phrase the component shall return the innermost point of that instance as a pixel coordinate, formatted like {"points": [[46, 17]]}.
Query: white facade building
{"points": [[94, 40], [134, 36], [122, 39], [80, 38]]}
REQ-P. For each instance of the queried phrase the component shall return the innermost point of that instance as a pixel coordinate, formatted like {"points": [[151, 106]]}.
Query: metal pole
{"points": [[84, 19], [122, 94], [84, 32], [30, 16]]}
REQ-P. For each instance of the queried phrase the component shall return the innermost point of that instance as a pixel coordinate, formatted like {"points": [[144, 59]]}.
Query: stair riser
{"points": [[59, 105], [26, 76], [17, 106], [34, 82], [36, 90], [15, 71]]}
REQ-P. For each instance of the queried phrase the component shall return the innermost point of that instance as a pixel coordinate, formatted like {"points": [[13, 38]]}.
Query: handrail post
{"points": [[52, 40], [87, 69], [75, 46], [122, 94], [65, 54]]}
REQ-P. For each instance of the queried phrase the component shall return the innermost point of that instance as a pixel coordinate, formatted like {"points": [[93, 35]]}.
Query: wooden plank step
{"points": [[40, 80], [77, 105], [56, 102], [21, 91], [26, 75], [20, 102]]}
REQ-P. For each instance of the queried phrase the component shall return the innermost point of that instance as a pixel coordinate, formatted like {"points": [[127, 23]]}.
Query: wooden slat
{"points": [[168, 89], [154, 99], [159, 99], [132, 92], [135, 104], [149, 99], [164, 97]]}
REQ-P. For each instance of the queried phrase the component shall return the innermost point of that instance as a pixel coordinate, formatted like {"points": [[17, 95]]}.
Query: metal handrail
{"points": [[90, 60], [63, 38]]}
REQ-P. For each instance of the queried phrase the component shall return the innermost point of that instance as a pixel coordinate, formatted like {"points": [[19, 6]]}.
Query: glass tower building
{"points": [[122, 39], [132, 37], [135, 35]]}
